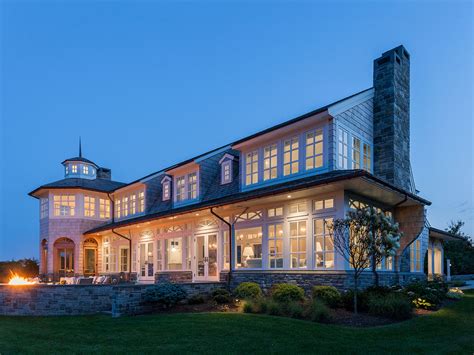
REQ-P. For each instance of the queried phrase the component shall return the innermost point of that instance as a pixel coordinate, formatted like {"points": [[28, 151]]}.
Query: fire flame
{"points": [[19, 280]]}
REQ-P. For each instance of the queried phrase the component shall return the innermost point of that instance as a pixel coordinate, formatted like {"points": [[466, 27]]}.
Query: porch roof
{"points": [[357, 181], [443, 235]]}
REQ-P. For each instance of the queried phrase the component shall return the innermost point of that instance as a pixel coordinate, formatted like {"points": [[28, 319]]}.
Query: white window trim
{"points": [[186, 187], [166, 181], [224, 180]]}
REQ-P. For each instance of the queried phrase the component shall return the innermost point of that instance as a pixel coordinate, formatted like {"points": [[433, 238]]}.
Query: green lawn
{"points": [[450, 330]]}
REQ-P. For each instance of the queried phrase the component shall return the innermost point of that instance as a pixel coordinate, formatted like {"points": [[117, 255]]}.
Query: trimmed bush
{"points": [[165, 294], [248, 291], [221, 295], [286, 293], [196, 299], [248, 307], [328, 294], [317, 311], [347, 299], [393, 306], [294, 310]]}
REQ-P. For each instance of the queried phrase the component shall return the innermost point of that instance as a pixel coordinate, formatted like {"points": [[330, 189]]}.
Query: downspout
{"points": [[231, 232], [112, 210]]}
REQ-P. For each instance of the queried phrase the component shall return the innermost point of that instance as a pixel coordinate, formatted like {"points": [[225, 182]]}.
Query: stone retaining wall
{"points": [[48, 300]]}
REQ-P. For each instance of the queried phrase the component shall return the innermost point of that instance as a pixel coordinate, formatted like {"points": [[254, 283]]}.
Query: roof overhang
{"points": [[443, 235], [37, 192], [358, 182]]}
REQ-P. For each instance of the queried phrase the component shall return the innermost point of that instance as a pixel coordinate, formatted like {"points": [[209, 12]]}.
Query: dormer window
{"points": [[74, 168], [186, 187], [85, 170], [166, 188], [226, 168]]}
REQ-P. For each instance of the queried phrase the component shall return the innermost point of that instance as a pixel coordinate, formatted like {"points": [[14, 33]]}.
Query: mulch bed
{"points": [[341, 316]]}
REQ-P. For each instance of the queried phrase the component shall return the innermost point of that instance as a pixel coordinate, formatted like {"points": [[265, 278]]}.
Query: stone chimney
{"points": [[104, 173], [392, 117]]}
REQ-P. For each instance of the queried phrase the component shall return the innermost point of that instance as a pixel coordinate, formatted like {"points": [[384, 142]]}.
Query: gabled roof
{"points": [[99, 185], [298, 184]]}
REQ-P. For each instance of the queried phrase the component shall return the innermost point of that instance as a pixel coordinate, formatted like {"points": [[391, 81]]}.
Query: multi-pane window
{"points": [[251, 168], [323, 204], [133, 204], [270, 162], [118, 209], [125, 206], [192, 186], [298, 245], [275, 245], [74, 168], [323, 244], [180, 188], [104, 208], [367, 158], [299, 207], [291, 156], [226, 172], [314, 149], [44, 207], [342, 138], [355, 153], [123, 259], [141, 202], [386, 263], [166, 190], [174, 254], [110, 258], [275, 212], [64, 205], [85, 169], [89, 206], [226, 261], [415, 256], [67, 169], [159, 256]]}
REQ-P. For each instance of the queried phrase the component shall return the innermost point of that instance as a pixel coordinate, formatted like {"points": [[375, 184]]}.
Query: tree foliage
{"points": [[460, 252]]}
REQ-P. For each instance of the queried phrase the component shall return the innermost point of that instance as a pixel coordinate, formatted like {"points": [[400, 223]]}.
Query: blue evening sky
{"points": [[148, 84]]}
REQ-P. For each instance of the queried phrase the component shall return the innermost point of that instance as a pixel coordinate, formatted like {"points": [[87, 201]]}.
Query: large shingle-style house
{"points": [[256, 208]]}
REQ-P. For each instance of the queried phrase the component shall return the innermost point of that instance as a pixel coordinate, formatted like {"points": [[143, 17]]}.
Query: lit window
{"points": [[118, 209], [323, 244], [109, 258], [226, 172], [226, 250], [367, 158], [342, 149], [67, 169], [291, 156], [386, 263], [275, 246], [133, 204], [89, 206], [104, 208], [323, 204], [173, 254], [251, 168], [275, 212], [123, 267], [192, 186], [64, 205], [248, 248], [85, 170], [355, 153], [180, 188], [298, 245], [415, 256], [44, 207], [159, 255], [249, 216], [314, 149], [74, 168], [141, 202], [270, 162], [298, 208], [354, 204], [166, 190], [125, 206]]}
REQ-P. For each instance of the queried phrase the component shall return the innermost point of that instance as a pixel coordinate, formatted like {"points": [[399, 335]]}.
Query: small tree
{"points": [[364, 237]]}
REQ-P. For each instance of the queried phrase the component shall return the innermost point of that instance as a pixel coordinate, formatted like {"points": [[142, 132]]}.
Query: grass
{"points": [[450, 330]]}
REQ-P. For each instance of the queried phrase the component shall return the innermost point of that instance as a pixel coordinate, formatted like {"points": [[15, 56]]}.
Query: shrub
{"points": [[221, 295], [328, 294], [347, 300], [423, 304], [392, 305], [454, 293], [294, 310], [196, 299], [430, 292], [458, 283], [286, 293], [165, 294], [248, 291], [378, 290], [248, 307], [317, 311]]}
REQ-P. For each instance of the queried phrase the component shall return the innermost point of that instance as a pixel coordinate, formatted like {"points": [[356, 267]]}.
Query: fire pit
{"points": [[19, 280]]}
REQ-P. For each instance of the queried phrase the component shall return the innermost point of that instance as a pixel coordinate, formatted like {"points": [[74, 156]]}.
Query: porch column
{"points": [[232, 246]]}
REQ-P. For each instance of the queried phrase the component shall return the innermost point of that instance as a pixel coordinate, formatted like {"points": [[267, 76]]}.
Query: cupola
{"points": [[80, 167]]}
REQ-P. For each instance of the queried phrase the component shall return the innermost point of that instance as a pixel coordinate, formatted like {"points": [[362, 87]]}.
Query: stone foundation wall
{"points": [[48, 300], [342, 280], [174, 276]]}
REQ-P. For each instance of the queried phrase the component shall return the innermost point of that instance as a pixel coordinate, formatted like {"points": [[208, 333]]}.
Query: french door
{"points": [[205, 258], [146, 266]]}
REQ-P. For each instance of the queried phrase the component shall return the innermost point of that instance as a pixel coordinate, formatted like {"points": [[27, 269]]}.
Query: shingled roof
{"points": [[100, 185]]}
